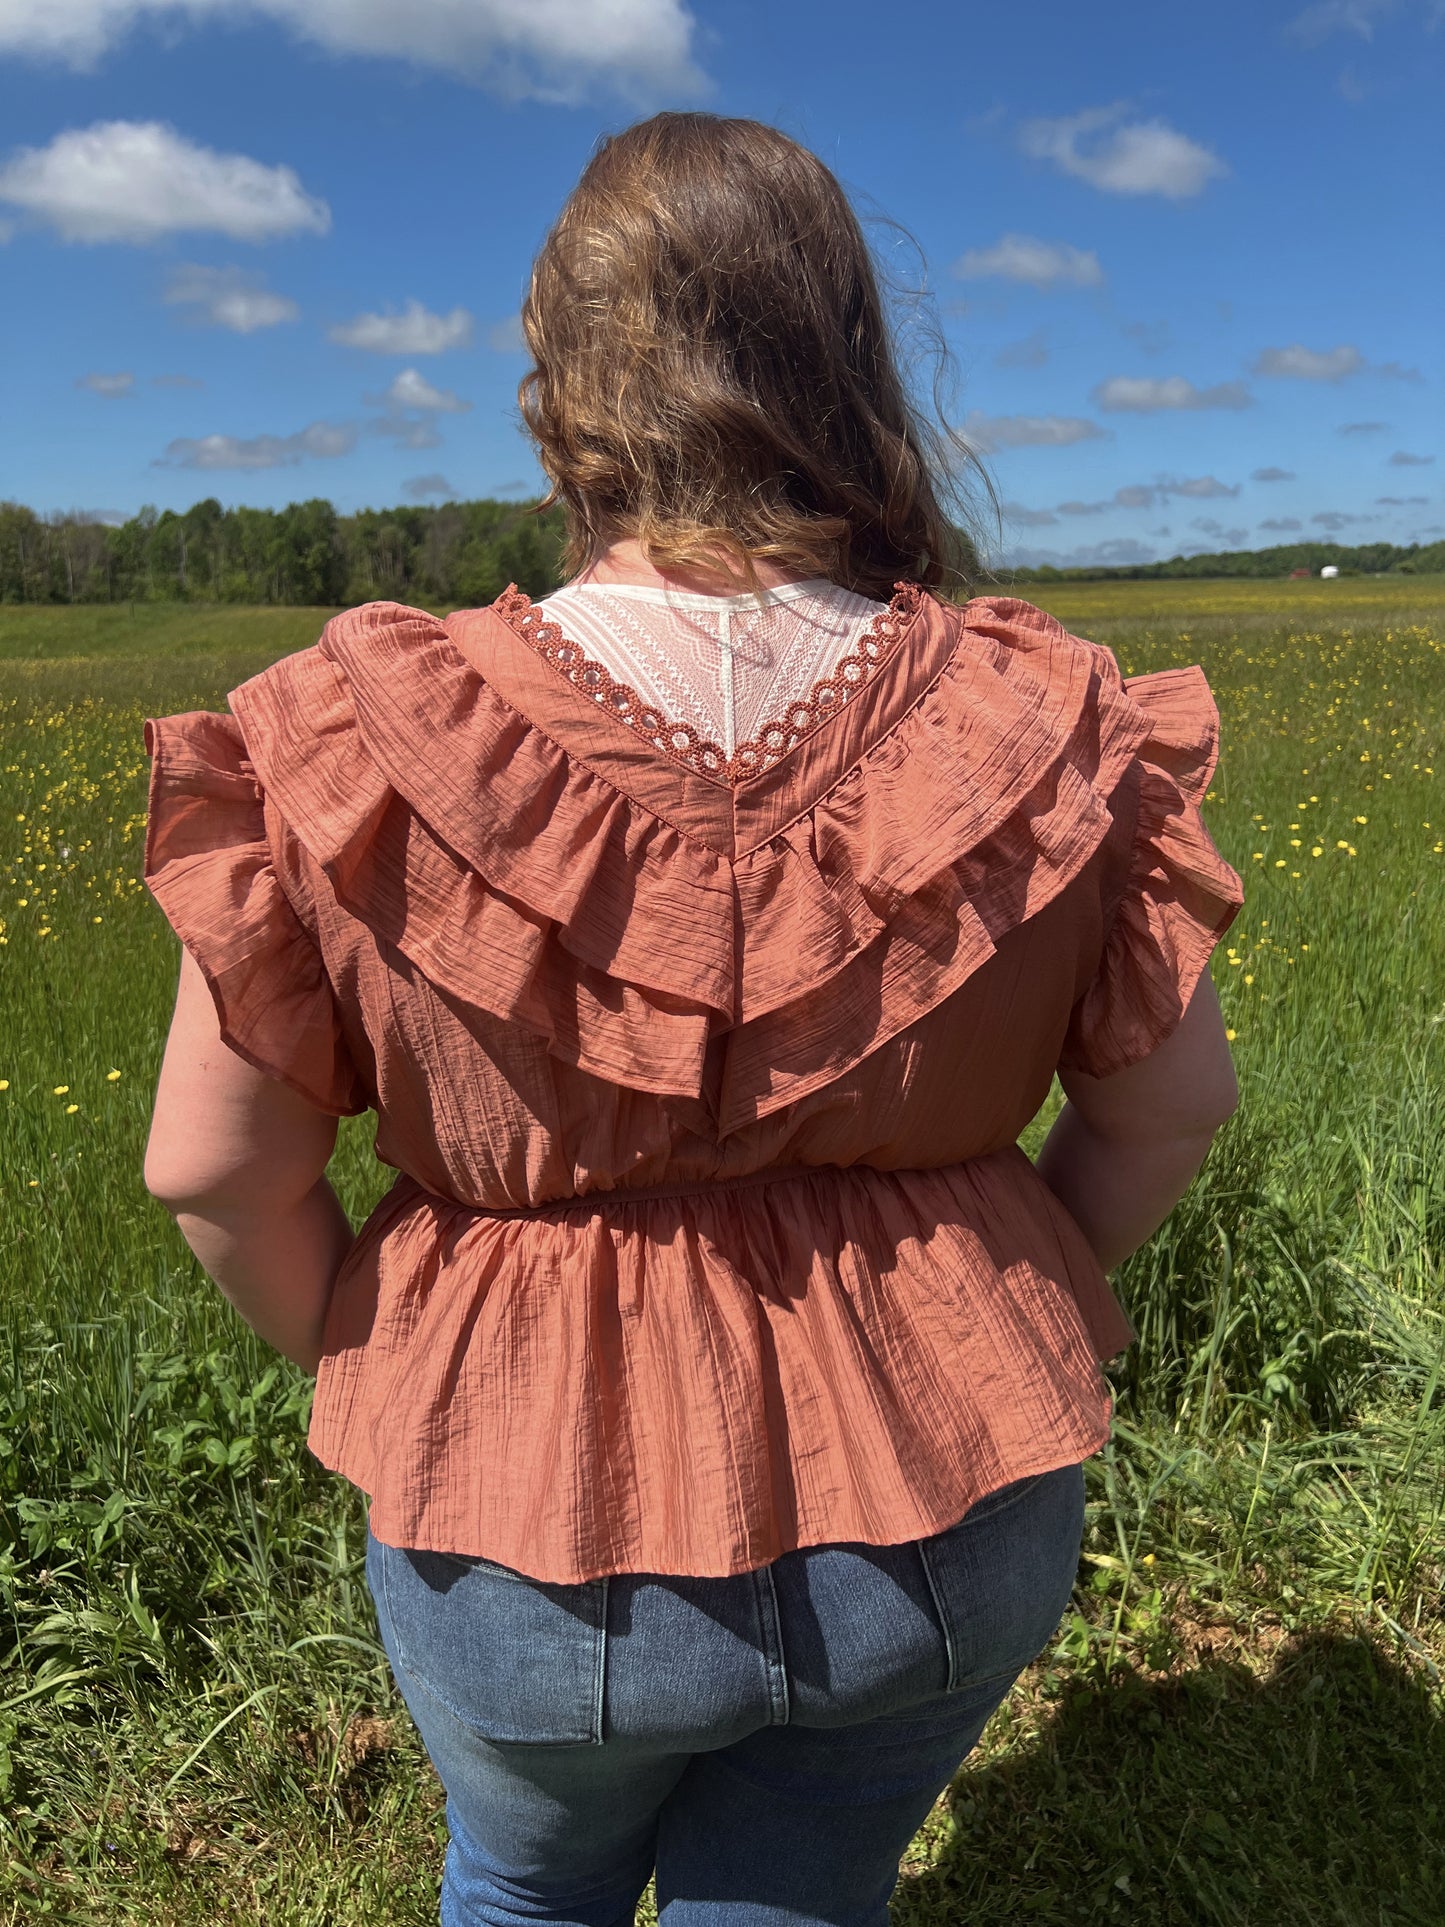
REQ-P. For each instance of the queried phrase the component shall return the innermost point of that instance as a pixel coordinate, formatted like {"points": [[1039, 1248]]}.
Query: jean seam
{"points": [[600, 1686], [770, 1635], [944, 1620]]}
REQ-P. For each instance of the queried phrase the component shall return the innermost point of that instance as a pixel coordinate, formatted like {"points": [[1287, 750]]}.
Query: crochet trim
{"points": [[680, 741]]}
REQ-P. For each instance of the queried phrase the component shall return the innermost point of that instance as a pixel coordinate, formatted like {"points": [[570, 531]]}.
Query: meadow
{"points": [[1242, 1720]]}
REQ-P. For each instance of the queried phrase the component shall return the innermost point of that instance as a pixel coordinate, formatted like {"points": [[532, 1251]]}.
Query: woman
{"points": [[719, 1368]]}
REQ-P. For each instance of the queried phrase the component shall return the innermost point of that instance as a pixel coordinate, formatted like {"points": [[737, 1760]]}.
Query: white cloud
{"points": [[547, 49], [1145, 394], [1402, 458], [421, 487], [1395, 370], [111, 386], [124, 180], [322, 440], [1362, 428], [1029, 431], [1042, 264], [229, 298], [415, 331], [411, 389], [506, 337], [1085, 508], [1272, 475], [1281, 523], [1200, 488], [1332, 519], [1123, 157], [1026, 518], [1402, 501], [1309, 364]]}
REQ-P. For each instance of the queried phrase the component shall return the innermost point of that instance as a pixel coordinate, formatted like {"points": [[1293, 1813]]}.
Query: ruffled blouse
{"points": [[711, 1236]]}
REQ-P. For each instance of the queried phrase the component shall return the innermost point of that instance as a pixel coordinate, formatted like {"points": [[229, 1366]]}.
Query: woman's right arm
{"points": [[1125, 1149]]}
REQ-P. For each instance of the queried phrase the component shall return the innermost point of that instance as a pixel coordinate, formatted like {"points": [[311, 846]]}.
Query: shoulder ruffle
{"points": [[209, 864], [517, 877], [1179, 895]]}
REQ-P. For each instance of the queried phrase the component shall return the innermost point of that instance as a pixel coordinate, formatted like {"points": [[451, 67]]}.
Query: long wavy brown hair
{"points": [[715, 374]]}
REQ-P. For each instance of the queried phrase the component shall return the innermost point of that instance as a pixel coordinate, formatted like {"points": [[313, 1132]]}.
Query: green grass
{"points": [[1241, 1722]]}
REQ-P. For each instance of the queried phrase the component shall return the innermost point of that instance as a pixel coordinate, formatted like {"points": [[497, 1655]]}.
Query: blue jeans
{"points": [[769, 1743]]}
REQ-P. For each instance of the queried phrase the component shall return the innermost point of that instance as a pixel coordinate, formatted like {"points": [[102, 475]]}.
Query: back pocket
{"points": [[1002, 1576], [514, 1659]]}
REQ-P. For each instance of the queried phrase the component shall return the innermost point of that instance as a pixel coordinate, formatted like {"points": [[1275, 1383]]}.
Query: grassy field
{"points": [[1243, 1721]]}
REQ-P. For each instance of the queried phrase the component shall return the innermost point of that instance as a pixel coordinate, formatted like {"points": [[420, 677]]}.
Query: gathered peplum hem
{"points": [[700, 1383], [517, 876]]}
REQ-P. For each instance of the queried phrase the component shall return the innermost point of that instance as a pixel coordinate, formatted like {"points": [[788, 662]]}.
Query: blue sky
{"points": [[1188, 260]]}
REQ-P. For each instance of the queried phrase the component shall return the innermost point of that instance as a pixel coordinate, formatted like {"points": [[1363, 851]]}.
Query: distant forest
{"points": [[457, 555]]}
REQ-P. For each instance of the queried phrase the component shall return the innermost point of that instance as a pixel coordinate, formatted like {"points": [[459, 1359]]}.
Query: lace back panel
{"points": [[723, 673]]}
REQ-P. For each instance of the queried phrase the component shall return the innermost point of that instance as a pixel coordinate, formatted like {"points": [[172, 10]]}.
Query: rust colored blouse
{"points": [[703, 1078]]}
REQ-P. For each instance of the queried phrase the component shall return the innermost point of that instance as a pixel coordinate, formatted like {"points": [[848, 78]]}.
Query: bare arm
{"points": [[239, 1161], [1125, 1149]]}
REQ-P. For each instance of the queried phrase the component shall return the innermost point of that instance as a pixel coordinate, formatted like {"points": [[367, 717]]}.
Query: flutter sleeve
{"points": [[209, 863], [1175, 895]]}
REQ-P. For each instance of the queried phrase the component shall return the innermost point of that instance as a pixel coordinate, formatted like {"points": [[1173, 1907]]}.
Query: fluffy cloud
{"points": [[1085, 508], [1042, 264], [1402, 458], [321, 440], [412, 405], [1026, 518], [1333, 519], [123, 180], [1309, 364], [112, 387], [1121, 156], [228, 298], [422, 488], [411, 389], [1282, 523], [989, 432], [1272, 475], [1146, 394], [415, 331], [546, 49]]}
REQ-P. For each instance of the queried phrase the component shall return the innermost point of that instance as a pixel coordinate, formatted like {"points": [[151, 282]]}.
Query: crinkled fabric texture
{"points": [[791, 1026]]}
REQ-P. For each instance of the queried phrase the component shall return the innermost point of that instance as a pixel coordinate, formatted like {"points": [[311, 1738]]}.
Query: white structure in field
{"points": [[1329, 569]]}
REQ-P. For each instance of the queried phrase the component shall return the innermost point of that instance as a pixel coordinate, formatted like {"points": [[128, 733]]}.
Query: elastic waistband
{"points": [[598, 1202]]}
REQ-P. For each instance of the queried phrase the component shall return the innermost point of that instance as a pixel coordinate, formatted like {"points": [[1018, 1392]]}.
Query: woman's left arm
{"points": [[239, 1161]]}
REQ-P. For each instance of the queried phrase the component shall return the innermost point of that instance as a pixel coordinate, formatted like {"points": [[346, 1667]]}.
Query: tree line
{"points": [[462, 554], [457, 555], [1368, 558]]}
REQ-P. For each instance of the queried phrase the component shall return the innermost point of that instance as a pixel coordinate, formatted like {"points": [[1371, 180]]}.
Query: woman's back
{"points": [[787, 1001]]}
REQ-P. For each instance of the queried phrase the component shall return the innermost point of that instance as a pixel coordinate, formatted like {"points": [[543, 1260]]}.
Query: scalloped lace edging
{"points": [[679, 740]]}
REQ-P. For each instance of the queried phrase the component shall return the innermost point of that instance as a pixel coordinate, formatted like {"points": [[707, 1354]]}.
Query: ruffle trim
{"points": [[1178, 900], [209, 864], [517, 878]]}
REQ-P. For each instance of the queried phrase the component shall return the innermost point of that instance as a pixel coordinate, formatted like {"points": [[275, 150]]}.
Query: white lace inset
{"points": [[726, 666]]}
